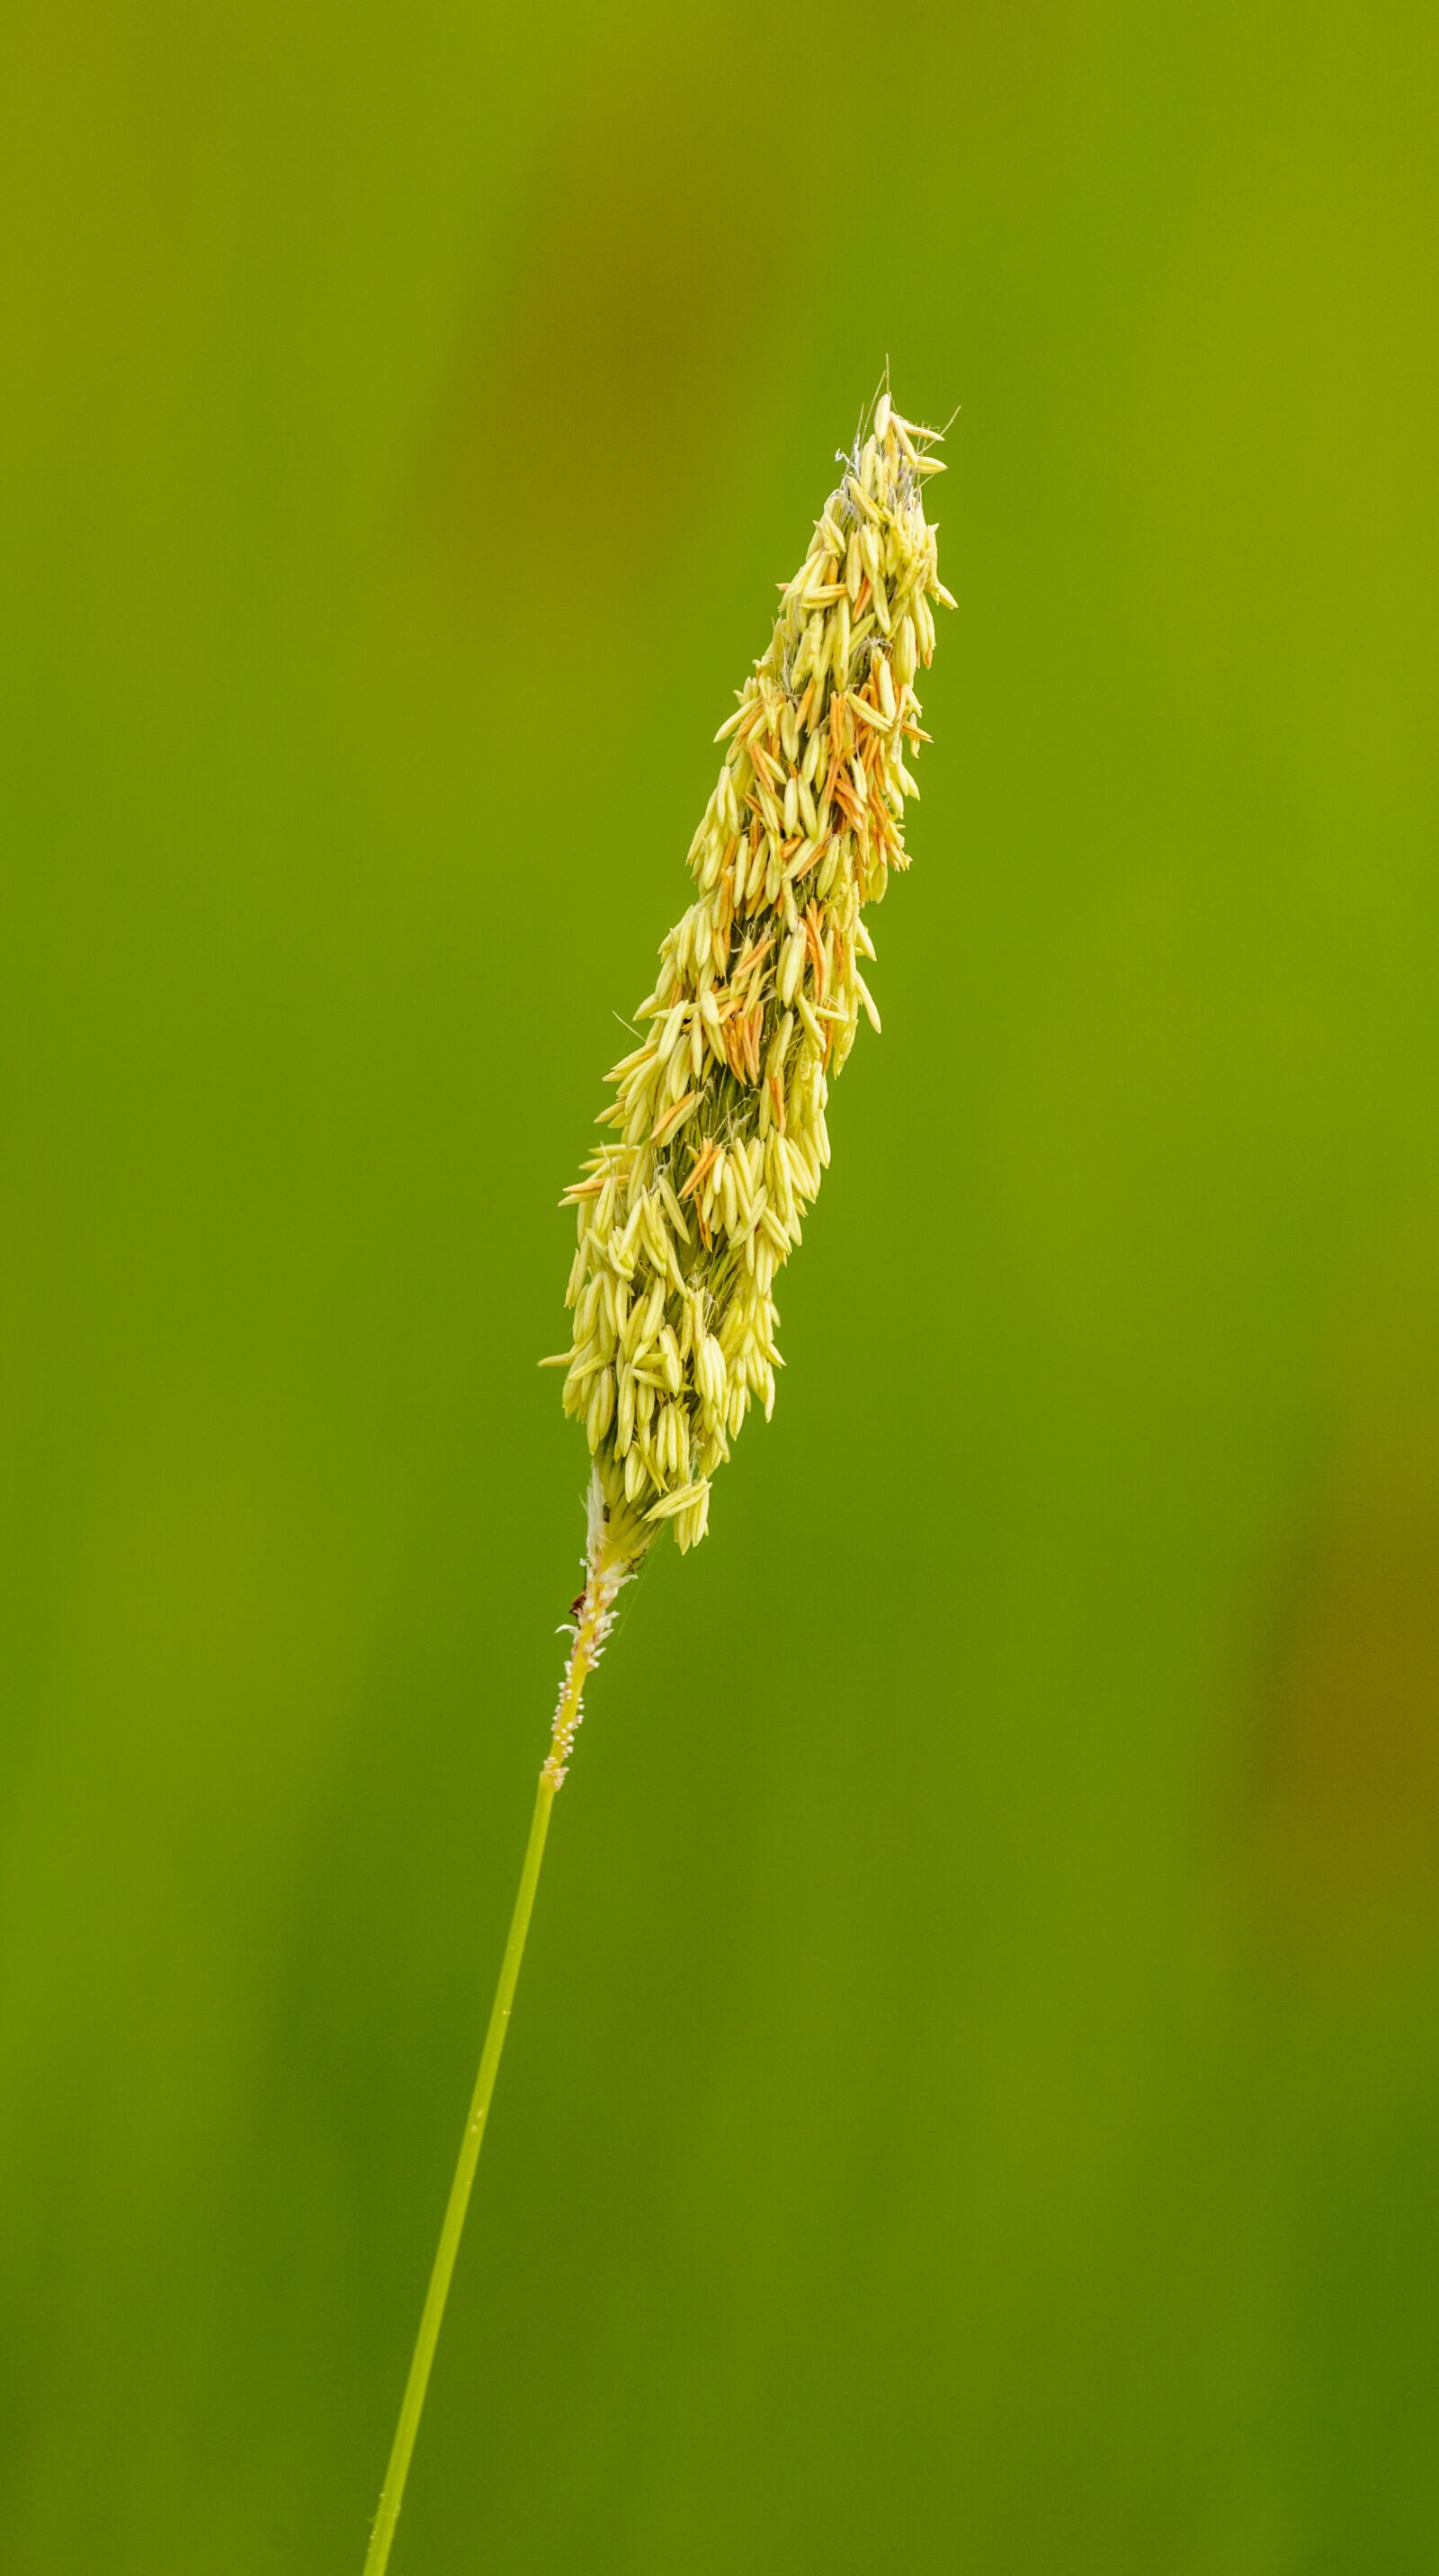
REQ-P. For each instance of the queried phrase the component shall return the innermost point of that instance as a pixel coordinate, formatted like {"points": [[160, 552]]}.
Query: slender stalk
{"points": [[411, 2405], [594, 1617]]}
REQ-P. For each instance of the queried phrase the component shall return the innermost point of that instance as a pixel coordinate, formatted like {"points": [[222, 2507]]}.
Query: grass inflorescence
{"points": [[687, 1215]]}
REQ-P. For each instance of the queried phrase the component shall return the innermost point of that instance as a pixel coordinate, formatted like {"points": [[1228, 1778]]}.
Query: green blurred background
{"points": [[975, 2097]]}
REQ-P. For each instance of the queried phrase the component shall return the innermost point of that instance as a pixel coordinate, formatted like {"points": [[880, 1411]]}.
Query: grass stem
{"points": [[592, 1619], [412, 2404]]}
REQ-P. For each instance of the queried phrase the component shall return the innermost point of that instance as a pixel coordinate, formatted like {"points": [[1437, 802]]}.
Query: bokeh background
{"points": [[975, 2097]]}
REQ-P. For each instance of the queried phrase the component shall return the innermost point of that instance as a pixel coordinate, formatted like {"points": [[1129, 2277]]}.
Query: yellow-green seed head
{"points": [[721, 1141]]}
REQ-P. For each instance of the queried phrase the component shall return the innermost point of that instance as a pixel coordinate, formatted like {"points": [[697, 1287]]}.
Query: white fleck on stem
{"points": [[606, 1574]]}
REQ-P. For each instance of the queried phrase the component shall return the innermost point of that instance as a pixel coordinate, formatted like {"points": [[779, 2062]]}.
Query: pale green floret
{"points": [[720, 1112]]}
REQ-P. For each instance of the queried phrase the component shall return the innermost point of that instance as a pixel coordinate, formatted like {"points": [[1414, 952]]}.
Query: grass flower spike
{"points": [[694, 1202], [687, 1215]]}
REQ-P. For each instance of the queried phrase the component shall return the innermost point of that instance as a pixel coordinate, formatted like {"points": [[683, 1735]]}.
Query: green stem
{"points": [[393, 2493]]}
